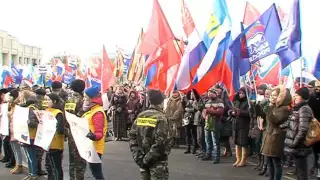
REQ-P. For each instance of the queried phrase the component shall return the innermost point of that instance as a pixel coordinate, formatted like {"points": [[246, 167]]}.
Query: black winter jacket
{"points": [[297, 130]]}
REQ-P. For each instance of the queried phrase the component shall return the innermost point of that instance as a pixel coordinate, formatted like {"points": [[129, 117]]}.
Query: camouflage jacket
{"points": [[74, 103], [150, 137]]}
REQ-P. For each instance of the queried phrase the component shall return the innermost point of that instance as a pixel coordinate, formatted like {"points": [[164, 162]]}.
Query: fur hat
{"points": [[303, 92], [92, 91], [54, 98], [213, 90], [78, 85], [156, 97], [56, 85]]}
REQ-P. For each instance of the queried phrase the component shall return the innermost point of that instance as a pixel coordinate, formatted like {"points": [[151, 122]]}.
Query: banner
{"points": [[80, 128], [4, 120], [46, 129], [20, 124]]}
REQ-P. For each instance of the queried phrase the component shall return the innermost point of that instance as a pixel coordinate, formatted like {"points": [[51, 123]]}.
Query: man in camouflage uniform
{"points": [[150, 140], [40, 104], [74, 102]]}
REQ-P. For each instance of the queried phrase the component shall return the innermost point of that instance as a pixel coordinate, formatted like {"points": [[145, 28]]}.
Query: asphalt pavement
{"points": [[118, 165]]}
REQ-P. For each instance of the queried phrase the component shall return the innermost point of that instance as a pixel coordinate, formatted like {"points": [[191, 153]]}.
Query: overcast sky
{"points": [[81, 26]]}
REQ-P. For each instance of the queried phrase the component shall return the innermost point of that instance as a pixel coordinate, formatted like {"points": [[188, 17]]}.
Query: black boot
{"points": [[259, 162], [264, 170], [188, 150], [206, 157], [40, 171], [194, 149]]}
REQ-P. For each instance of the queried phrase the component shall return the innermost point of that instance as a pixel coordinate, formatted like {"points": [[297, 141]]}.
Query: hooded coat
{"points": [[273, 143]]}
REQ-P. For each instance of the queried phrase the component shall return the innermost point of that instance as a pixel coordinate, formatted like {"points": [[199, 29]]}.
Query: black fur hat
{"points": [[78, 85]]}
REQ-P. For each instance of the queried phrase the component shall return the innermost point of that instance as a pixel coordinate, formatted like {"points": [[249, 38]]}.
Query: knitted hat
{"points": [[92, 91], [56, 85], [263, 87], [312, 83], [303, 92], [78, 85], [40, 92], [156, 97], [213, 90], [14, 93], [54, 97]]}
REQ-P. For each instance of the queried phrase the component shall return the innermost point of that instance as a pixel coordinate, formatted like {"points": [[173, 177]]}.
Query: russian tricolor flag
{"points": [[194, 52]]}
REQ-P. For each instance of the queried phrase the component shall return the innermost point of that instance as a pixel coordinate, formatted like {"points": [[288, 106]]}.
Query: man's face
{"points": [[311, 89]]}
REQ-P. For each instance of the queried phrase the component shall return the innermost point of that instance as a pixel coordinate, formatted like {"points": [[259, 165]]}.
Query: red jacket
{"points": [[98, 120]]}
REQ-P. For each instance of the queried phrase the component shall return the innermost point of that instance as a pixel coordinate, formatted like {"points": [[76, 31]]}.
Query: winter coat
{"points": [[193, 109], [273, 143], [174, 110], [297, 131], [119, 116], [314, 103], [98, 120], [242, 122], [133, 105]]}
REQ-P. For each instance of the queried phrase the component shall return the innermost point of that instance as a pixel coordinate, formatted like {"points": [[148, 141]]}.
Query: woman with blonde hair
{"points": [[273, 144]]}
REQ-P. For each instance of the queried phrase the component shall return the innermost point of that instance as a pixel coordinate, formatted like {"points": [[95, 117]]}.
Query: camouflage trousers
{"points": [[77, 167], [159, 171]]}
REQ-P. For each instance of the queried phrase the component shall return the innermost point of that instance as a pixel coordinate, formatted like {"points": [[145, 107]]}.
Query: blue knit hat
{"points": [[92, 91]]}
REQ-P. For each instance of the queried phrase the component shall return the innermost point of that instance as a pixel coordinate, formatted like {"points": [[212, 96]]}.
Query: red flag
{"points": [[187, 20], [158, 41], [251, 14], [107, 76]]}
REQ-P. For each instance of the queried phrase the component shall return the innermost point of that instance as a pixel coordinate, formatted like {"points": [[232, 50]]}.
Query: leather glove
{"points": [[91, 136]]}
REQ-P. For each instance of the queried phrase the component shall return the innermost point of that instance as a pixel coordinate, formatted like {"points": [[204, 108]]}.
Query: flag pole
{"points": [[176, 41], [301, 64], [254, 82]]}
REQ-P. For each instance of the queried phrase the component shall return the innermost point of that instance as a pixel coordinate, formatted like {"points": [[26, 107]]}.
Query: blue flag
{"points": [[259, 40], [316, 70], [289, 44]]}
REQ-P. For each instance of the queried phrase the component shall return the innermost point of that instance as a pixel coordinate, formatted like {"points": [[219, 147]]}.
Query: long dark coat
{"points": [[119, 115], [242, 122]]}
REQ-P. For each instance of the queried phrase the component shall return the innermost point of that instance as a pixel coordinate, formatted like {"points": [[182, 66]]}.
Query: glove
{"points": [[119, 109], [91, 136]]}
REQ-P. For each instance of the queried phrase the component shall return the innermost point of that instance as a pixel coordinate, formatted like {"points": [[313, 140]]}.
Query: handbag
{"points": [[313, 134]]}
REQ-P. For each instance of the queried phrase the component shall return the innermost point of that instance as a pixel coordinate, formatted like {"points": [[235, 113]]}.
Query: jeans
{"points": [[96, 169], [191, 135], [301, 167], [213, 142], [274, 168], [16, 149], [30, 151], [54, 164]]}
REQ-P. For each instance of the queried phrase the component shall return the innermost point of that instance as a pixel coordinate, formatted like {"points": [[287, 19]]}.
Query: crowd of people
{"points": [[86, 103], [272, 126]]}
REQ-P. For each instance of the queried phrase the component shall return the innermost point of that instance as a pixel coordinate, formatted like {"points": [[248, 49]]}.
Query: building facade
{"points": [[12, 50]]}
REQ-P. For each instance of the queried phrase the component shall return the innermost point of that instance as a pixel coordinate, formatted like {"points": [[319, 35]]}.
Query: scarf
{"points": [[87, 105]]}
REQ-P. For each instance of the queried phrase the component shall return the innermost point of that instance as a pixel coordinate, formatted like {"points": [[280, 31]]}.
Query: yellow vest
{"points": [[99, 145], [32, 131], [58, 139]]}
